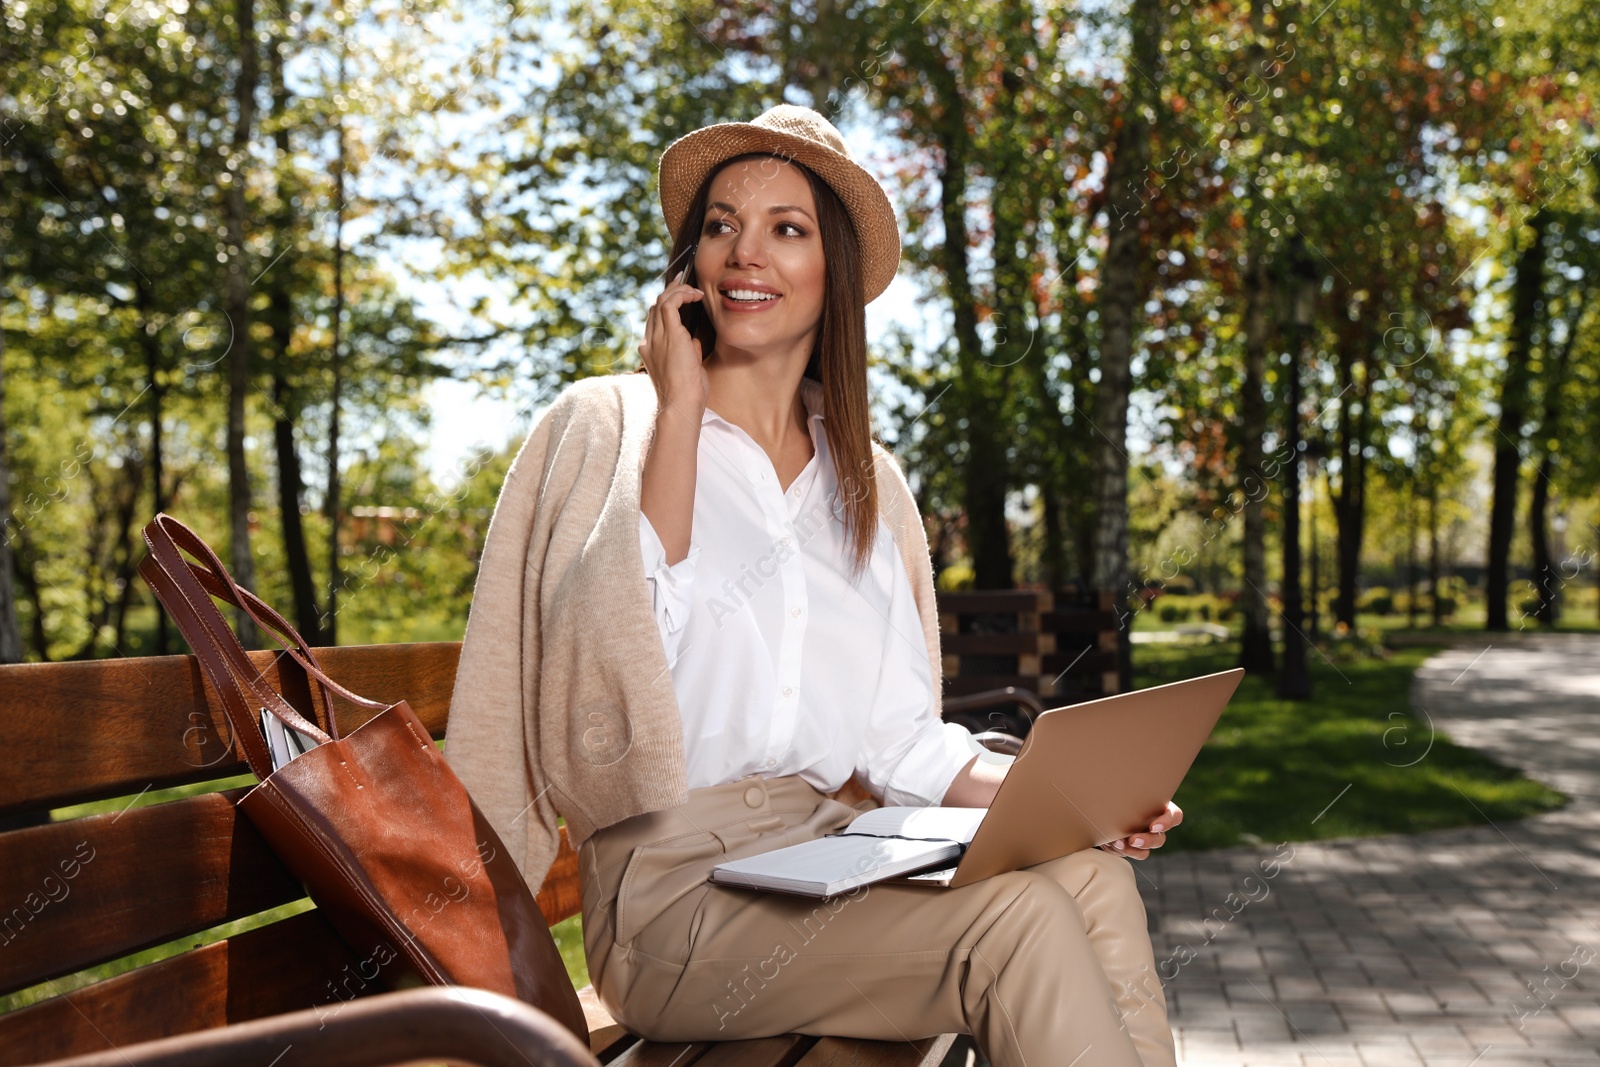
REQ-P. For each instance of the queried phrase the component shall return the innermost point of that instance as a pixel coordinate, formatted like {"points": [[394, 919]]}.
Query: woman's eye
{"points": [[711, 227]]}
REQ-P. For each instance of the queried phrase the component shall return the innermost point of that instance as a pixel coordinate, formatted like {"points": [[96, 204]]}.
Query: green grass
{"points": [[1277, 770], [569, 939]]}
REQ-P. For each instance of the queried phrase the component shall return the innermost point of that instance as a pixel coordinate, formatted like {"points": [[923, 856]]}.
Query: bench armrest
{"points": [[1025, 699], [456, 1024]]}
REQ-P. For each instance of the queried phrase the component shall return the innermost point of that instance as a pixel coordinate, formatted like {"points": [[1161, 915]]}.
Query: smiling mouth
{"points": [[749, 296]]}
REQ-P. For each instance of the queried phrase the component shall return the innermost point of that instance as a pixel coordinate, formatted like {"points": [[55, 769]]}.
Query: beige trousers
{"points": [[1050, 965]]}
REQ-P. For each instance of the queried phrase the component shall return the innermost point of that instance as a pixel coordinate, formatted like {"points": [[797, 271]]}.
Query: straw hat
{"points": [[800, 134]]}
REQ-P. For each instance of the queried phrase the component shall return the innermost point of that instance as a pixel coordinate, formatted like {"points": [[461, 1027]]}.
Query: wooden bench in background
{"points": [[84, 892], [1060, 646]]}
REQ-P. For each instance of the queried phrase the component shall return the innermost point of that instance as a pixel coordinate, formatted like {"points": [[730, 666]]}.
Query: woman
{"points": [[788, 587]]}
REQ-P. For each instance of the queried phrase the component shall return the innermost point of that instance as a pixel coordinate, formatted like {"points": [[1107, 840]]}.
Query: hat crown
{"points": [[803, 122]]}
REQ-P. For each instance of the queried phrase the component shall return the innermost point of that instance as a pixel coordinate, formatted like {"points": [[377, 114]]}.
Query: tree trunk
{"points": [[1526, 297], [1294, 681], [1121, 296], [1053, 554], [1255, 646], [1411, 557], [1547, 584], [1350, 501], [330, 628], [124, 556], [238, 306], [97, 565], [10, 631], [983, 475], [1547, 581], [1075, 434], [1433, 552], [158, 394], [280, 311], [1077, 439], [291, 491], [22, 559]]}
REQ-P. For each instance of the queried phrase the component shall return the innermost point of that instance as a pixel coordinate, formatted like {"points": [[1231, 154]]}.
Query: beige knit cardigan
{"points": [[563, 701]]}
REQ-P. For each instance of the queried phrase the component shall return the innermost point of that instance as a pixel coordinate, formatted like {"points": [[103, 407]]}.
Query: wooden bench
{"points": [[1026, 648], [86, 891]]}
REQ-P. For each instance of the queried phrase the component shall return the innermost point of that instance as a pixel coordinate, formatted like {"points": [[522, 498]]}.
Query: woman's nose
{"points": [[749, 249]]}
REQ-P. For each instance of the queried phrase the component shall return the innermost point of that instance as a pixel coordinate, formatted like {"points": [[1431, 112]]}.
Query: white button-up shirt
{"points": [[782, 666]]}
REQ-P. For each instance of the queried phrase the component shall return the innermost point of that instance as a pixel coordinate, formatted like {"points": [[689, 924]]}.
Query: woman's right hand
{"points": [[670, 355]]}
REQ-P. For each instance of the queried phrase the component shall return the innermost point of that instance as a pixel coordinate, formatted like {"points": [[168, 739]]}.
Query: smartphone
{"points": [[692, 313]]}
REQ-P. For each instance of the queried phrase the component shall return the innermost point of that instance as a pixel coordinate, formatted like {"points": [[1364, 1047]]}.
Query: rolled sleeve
{"points": [[670, 586], [925, 772]]}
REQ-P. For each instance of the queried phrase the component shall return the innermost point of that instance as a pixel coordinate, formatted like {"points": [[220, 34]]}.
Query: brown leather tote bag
{"points": [[376, 825]]}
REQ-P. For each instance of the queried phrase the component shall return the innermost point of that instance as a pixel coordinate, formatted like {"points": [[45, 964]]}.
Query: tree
{"points": [[234, 180], [1121, 297], [1526, 307], [10, 633]]}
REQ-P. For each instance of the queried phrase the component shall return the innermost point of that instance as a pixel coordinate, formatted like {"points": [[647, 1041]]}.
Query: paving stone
{"points": [[1420, 949]]}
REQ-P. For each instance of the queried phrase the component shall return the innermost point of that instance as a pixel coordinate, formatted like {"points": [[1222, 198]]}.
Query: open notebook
{"points": [[878, 844]]}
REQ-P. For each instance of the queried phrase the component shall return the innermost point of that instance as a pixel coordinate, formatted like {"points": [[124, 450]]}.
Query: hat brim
{"points": [[687, 161]]}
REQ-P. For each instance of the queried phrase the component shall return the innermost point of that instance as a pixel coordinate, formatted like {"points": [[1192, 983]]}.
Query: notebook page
{"points": [[950, 824], [835, 861]]}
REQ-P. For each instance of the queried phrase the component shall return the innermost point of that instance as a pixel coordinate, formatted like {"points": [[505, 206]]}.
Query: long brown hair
{"points": [[838, 359]]}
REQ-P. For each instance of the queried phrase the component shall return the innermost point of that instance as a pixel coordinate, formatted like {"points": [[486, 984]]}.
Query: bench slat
{"points": [[844, 1052], [98, 888], [990, 601], [148, 875], [106, 728], [989, 644], [287, 966], [664, 1054], [761, 1052], [561, 896], [607, 1037], [977, 683]]}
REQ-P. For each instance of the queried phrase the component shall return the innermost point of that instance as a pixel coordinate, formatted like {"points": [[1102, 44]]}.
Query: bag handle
{"points": [[214, 630], [186, 590], [216, 581], [205, 638]]}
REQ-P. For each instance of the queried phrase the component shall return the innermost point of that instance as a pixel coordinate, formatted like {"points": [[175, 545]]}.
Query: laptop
{"points": [[1090, 773]]}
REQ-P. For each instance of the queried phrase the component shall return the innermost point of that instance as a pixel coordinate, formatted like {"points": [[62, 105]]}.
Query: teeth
{"points": [[750, 294]]}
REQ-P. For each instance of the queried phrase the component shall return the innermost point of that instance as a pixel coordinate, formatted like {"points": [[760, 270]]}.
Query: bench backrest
{"points": [[138, 880]]}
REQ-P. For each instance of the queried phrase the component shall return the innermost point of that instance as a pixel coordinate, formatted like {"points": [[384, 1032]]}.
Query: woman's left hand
{"points": [[1138, 846]]}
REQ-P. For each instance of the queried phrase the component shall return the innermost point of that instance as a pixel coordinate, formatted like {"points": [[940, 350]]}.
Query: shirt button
{"points": [[795, 612], [788, 691], [772, 763], [783, 540]]}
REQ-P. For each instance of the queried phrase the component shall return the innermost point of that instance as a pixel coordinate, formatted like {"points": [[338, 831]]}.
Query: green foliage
{"points": [[1171, 607], [569, 939], [1376, 601], [504, 167], [956, 578]]}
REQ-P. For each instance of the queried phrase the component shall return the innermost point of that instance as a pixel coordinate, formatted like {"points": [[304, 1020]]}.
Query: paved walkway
{"points": [[1450, 948]]}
